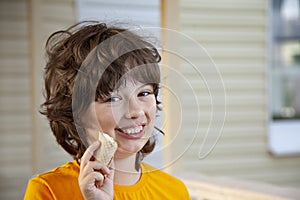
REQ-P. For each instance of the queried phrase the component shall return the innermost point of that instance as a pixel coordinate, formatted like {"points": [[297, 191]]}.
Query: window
{"points": [[285, 76]]}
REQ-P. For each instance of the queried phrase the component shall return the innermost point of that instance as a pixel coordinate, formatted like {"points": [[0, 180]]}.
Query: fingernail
{"points": [[96, 143]]}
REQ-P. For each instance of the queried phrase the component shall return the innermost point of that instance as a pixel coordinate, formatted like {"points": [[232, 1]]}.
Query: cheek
{"points": [[107, 119], [152, 108], [92, 136]]}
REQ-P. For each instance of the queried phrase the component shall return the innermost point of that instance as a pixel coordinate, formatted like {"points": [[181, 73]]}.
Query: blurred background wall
{"points": [[234, 33]]}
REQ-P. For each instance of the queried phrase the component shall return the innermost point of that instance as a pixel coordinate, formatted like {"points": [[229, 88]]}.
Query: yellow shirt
{"points": [[62, 183]]}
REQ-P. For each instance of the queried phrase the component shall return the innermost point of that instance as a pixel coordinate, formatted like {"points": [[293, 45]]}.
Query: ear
{"points": [[159, 106]]}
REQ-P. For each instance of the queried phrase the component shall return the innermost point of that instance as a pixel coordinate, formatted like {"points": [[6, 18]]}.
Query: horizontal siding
{"points": [[14, 47], [55, 16], [16, 9], [15, 166], [234, 36], [13, 66], [15, 29], [58, 12], [16, 94]]}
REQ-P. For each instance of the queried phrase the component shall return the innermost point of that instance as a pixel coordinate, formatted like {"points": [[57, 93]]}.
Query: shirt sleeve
{"points": [[186, 193], [37, 190]]}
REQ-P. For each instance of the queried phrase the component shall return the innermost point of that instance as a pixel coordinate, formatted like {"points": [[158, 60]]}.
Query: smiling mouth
{"points": [[131, 131]]}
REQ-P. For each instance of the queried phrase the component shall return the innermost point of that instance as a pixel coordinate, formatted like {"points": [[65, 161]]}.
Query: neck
{"points": [[125, 172]]}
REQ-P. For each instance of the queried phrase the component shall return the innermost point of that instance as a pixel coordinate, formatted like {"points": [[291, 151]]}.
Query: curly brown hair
{"points": [[85, 63]]}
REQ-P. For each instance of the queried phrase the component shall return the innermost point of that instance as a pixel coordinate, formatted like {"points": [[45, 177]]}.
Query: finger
{"points": [[92, 166], [98, 179], [107, 186], [89, 152], [92, 180], [100, 183]]}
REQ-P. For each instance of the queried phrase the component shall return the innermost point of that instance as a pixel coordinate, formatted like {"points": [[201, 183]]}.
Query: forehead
{"points": [[129, 85]]}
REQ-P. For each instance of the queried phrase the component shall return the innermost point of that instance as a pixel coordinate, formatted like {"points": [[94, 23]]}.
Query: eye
{"points": [[145, 93], [113, 99]]}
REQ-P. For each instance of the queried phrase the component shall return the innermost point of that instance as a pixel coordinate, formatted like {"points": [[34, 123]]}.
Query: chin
{"points": [[124, 152]]}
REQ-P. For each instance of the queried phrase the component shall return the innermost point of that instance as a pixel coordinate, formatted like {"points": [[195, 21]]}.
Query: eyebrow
{"points": [[146, 84]]}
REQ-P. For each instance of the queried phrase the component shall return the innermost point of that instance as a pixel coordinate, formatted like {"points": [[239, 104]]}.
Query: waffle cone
{"points": [[107, 149]]}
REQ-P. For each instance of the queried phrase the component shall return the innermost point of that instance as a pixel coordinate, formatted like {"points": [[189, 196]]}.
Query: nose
{"points": [[134, 109]]}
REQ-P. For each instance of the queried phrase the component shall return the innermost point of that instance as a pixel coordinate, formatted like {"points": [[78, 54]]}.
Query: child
{"points": [[101, 78]]}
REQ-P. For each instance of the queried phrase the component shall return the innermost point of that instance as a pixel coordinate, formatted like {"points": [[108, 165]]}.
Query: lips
{"points": [[131, 132]]}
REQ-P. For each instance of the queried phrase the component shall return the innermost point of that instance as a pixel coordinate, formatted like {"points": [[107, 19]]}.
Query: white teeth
{"points": [[133, 130]]}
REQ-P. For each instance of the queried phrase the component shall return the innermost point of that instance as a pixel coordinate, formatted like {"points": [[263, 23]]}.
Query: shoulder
{"points": [[55, 182], [58, 175], [164, 180]]}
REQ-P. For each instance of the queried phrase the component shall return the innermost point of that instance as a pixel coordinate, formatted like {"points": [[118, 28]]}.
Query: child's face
{"points": [[128, 116]]}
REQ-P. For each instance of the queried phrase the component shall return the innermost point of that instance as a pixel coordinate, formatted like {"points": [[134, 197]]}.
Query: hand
{"points": [[95, 178]]}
